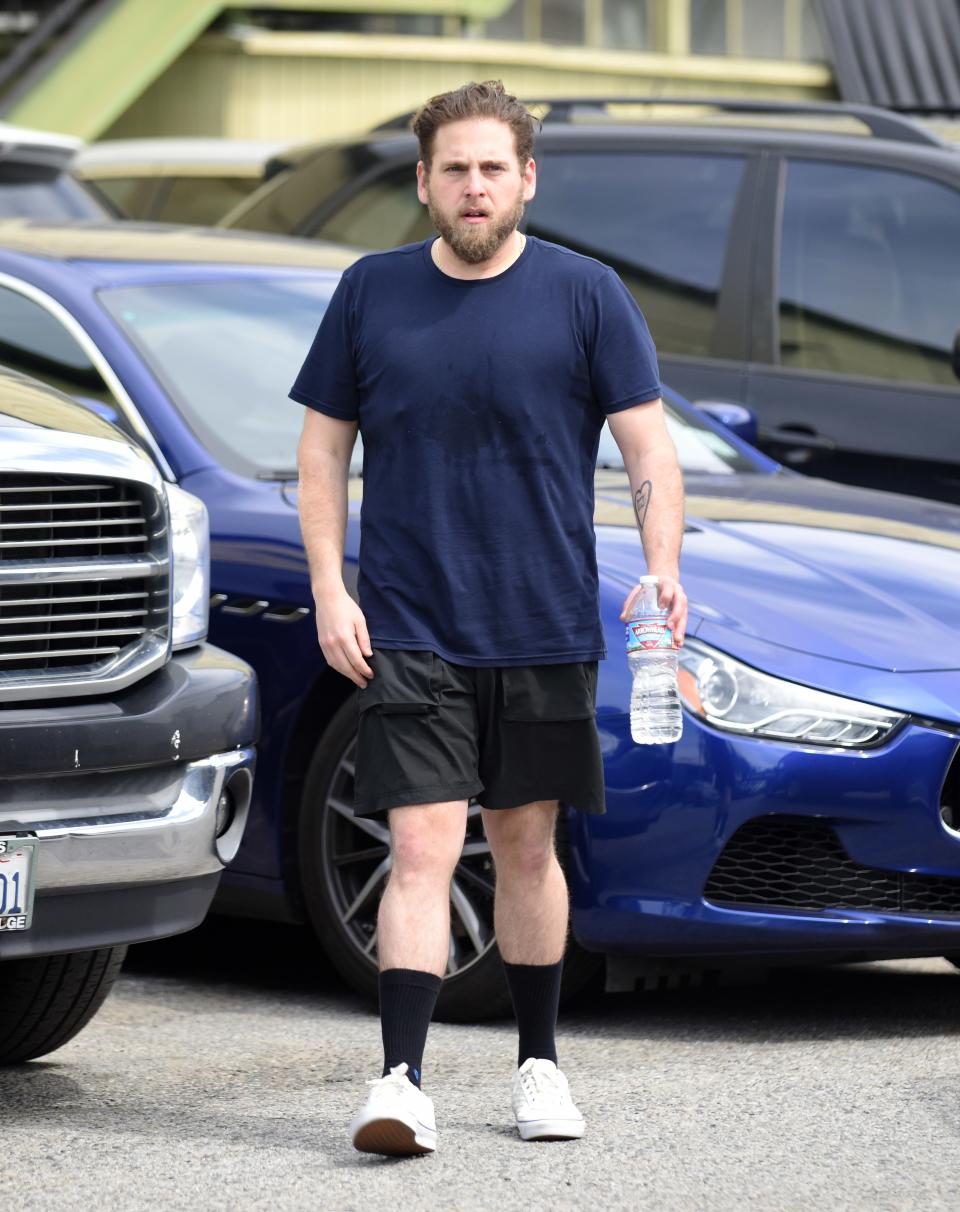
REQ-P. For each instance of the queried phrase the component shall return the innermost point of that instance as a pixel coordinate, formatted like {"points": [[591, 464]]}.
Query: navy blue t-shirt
{"points": [[480, 404]]}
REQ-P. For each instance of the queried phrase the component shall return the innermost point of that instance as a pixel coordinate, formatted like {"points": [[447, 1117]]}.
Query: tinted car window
{"points": [[285, 203], [130, 197], [201, 200], [36, 343], [29, 191], [384, 214], [661, 221], [869, 273]]}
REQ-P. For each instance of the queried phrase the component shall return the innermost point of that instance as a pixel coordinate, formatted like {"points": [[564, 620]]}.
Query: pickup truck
{"points": [[126, 742]]}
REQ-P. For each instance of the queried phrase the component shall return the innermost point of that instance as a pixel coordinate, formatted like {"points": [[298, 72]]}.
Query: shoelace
{"points": [[396, 1078], [540, 1084]]}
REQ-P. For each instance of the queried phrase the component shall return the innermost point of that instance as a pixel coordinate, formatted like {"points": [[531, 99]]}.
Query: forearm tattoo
{"points": [[641, 502]]}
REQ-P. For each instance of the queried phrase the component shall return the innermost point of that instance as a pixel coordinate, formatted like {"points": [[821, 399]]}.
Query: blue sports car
{"points": [[811, 808]]}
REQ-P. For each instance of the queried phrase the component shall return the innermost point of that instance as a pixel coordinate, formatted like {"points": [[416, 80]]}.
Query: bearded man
{"points": [[479, 368]]}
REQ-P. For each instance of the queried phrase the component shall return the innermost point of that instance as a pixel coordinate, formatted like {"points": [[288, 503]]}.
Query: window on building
{"points": [[662, 221], [509, 26], [869, 273], [761, 29], [765, 29], [708, 26], [626, 24], [563, 21]]}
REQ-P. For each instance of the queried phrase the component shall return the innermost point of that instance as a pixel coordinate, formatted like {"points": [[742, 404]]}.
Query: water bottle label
{"points": [[648, 633]]}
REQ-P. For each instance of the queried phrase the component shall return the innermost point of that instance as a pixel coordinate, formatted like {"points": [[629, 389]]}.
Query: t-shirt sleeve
{"points": [[328, 379], [623, 359]]}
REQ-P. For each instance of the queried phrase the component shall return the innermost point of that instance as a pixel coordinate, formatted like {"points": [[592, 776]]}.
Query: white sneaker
{"points": [[542, 1103], [397, 1118]]}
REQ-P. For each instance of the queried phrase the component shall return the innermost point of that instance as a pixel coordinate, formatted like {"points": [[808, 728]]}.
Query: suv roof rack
{"points": [[881, 123]]}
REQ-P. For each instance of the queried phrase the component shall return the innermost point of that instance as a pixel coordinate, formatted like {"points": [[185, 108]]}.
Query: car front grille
{"points": [[48, 517], [55, 626], [783, 862], [84, 583]]}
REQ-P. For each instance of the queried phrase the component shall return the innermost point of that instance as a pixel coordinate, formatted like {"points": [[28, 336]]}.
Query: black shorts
{"points": [[431, 731]]}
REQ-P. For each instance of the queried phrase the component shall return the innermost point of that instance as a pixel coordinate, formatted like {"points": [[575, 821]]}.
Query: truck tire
{"points": [[339, 863], [48, 999]]}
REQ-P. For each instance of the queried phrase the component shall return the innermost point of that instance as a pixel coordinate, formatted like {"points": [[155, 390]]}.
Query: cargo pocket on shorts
{"points": [[403, 683], [547, 693]]}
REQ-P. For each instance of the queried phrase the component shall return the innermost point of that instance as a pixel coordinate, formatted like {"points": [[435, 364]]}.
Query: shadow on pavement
{"points": [[266, 956], [853, 1001]]}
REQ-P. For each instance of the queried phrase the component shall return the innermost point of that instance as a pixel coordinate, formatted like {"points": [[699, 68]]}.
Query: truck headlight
{"points": [[189, 566], [731, 696]]}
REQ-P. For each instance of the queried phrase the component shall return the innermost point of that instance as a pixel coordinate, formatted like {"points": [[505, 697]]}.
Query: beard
{"points": [[476, 244]]}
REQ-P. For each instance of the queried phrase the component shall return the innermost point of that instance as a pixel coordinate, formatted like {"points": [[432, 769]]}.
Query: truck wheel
{"points": [[48, 999], [344, 861]]}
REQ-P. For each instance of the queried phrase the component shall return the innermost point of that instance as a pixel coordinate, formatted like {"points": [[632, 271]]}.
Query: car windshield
{"points": [[228, 351]]}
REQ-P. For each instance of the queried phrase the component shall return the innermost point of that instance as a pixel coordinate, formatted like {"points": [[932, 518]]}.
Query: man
{"points": [[479, 368]]}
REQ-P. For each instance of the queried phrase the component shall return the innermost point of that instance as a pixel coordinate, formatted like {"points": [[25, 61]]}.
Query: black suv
{"points": [[802, 260]]}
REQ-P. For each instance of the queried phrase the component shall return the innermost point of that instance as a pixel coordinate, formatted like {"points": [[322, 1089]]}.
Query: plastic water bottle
{"points": [[655, 715]]}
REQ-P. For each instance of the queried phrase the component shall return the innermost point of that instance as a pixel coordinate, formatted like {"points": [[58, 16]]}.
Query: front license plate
{"points": [[17, 876]]}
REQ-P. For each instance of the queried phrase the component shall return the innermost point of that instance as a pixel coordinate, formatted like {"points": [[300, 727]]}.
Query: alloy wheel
{"points": [[356, 860]]}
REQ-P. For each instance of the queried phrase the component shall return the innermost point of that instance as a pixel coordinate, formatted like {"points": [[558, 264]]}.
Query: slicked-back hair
{"points": [[487, 100]]}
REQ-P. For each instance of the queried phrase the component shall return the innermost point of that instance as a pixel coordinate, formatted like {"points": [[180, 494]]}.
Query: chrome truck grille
{"points": [[84, 583]]}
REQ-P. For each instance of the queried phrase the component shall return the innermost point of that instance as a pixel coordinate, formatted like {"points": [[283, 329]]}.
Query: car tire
{"points": [[343, 864], [48, 999]]}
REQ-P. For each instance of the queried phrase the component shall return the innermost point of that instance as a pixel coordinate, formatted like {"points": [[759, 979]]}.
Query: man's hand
{"points": [[670, 596], [342, 632]]}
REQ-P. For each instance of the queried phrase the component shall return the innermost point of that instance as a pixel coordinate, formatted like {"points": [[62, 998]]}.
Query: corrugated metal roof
{"points": [[903, 54]]}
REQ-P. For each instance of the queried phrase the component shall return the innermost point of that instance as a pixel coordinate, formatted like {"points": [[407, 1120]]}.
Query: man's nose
{"points": [[475, 183]]}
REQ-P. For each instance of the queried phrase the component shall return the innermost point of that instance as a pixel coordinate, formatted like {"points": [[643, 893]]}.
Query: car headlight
{"points": [[190, 566], [730, 695]]}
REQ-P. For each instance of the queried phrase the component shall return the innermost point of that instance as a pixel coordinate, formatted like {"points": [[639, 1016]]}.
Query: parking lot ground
{"points": [[224, 1069]]}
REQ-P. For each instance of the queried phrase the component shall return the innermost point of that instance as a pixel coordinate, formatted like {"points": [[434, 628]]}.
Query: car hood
{"points": [[808, 566]]}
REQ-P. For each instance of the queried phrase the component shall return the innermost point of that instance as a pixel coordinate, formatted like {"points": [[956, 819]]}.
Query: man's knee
{"points": [[523, 839], [426, 841]]}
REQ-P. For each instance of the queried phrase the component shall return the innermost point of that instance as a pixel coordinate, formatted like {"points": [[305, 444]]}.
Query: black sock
{"points": [[407, 999], [535, 990]]}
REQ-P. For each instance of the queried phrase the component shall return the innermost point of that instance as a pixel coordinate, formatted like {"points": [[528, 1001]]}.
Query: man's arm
{"points": [[323, 457], [657, 486]]}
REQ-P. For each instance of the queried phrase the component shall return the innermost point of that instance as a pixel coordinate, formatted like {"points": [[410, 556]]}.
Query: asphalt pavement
{"points": [[223, 1070]]}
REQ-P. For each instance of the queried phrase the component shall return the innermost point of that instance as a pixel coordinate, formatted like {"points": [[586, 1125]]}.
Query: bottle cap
{"points": [[647, 580]]}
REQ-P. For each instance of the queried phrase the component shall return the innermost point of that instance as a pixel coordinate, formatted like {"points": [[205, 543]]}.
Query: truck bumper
{"points": [[130, 846]]}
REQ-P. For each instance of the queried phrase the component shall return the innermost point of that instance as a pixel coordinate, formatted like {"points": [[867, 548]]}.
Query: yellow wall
{"points": [[280, 85]]}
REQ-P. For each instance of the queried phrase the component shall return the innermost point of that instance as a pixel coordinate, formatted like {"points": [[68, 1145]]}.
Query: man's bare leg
{"points": [[413, 927], [413, 930], [531, 908]]}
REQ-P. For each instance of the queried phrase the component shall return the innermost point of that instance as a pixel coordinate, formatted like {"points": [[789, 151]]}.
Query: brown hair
{"points": [[487, 100]]}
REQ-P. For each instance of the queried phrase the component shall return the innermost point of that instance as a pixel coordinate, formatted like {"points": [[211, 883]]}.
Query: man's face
{"points": [[475, 189]]}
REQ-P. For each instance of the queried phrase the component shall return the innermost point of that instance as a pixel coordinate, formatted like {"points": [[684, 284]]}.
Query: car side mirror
{"points": [[955, 355], [735, 417]]}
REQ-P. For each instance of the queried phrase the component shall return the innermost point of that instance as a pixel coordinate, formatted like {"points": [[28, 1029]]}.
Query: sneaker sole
{"points": [[394, 1138], [551, 1129]]}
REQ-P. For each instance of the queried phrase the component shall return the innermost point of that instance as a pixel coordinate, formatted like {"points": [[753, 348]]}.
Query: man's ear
{"points": [[529, 181], [421, 181]]}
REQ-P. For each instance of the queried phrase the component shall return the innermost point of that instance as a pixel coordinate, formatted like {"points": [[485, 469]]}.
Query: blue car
{"points": [[811, 808]]}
